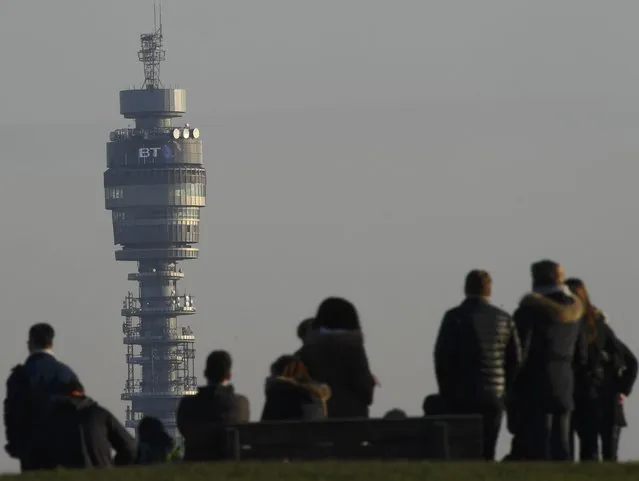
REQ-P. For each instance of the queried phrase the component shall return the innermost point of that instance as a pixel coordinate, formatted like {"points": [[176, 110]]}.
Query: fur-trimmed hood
{"points": [[562, 312], [602, 315], [324, 336]]}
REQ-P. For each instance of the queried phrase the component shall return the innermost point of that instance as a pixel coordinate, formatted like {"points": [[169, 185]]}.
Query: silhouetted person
{"points": [[30, 388], [599, 396], [334, 354], [155, 445], [555, 350], [477, 353], [395, 414], [304, 328], [82, 434], [291, 394], [200, 417]]}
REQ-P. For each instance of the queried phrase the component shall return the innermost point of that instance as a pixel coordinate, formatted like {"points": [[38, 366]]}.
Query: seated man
{"points": [[81, 434], [199, 417], [30, 388]]}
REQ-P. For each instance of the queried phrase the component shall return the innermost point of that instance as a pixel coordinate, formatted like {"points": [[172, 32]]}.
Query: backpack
{"points": [[17, 412]]}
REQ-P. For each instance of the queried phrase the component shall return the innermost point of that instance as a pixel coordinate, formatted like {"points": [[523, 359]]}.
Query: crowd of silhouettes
{"points": [[554, 370]]}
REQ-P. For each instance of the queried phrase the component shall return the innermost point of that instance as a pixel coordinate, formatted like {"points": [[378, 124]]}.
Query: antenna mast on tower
{"points": [[151, 53]]}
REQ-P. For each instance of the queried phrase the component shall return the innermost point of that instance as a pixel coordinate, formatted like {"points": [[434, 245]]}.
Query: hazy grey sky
{"points": [[366, 148]]}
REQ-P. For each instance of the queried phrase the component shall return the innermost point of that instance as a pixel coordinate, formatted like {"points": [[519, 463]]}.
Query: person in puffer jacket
{"points": [[291, 394], [477, 354]]}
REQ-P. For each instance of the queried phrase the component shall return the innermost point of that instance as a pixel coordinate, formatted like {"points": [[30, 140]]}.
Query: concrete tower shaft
{"points": [[155, 185]]}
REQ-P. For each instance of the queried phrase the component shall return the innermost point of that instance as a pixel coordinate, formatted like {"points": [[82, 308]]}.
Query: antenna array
{"points": [[151, 53]]}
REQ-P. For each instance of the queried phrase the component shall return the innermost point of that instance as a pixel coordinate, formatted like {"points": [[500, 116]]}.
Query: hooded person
{"points": [[155, 446], [291, 394], [82, 434], [334, 354], [548, 320]]}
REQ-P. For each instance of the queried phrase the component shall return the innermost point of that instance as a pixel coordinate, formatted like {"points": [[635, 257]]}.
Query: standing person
{"points": [[30, 389], [81, 433], [214, 406], [548, 321], [477, 354], [611, 373], [334, 354]]}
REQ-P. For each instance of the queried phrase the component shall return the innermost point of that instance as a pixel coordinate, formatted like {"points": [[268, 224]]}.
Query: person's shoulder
{"points": [[17, 376], [98, 410], [186, 402], [498, 312], [241, 399], [452, 316], [452, 312]]}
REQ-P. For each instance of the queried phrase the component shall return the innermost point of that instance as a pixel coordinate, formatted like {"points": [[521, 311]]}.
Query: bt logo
{"points": [[147, 155]]}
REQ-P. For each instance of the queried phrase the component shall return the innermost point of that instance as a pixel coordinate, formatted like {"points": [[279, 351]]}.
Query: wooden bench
{"points": [[431, 437]]}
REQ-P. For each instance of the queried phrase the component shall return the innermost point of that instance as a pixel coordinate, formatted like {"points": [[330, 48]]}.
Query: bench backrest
{"points": [[432, 437]]}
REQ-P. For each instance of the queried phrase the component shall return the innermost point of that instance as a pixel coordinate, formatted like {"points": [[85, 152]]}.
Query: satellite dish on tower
{"points": [[176, 134], [196, 133], [186, 133]]}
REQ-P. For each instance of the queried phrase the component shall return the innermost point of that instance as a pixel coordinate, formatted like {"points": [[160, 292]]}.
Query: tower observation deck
{"points": [[155, 185]]}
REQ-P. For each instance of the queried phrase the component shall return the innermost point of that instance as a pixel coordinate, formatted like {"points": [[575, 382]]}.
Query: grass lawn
{"points": [[365, 471]]}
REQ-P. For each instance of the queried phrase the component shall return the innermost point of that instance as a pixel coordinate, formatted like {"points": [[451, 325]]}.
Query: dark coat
{"points": [[555, 351], [201, 417], [30, 389], [477, 353], [155, 446], [612, 370], [81, 434], [625, 380], [288, 399], [338, 358]]}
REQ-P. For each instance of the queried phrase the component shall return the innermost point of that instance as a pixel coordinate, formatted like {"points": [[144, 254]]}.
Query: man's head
{"points": [[304, 328], [547, 273], [395, 414], [40, 337], [218, 367], [478, 284]]}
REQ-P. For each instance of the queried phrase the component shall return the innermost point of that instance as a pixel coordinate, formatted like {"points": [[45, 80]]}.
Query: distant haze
{"points": [[371, 149]]}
